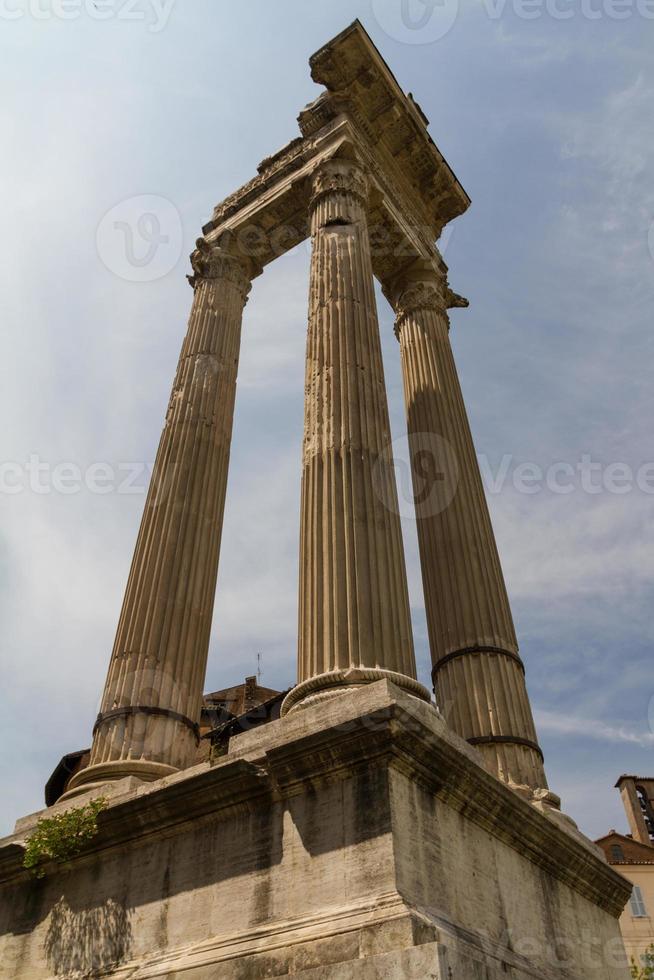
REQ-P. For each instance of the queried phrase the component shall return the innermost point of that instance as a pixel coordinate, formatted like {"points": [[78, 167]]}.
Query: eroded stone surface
{"points": [[477, 672], [354, 600], [150, 708], [355, 836]]}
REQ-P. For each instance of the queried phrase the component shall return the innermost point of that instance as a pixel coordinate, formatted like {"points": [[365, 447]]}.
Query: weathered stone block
{"points": [[358, 837]]}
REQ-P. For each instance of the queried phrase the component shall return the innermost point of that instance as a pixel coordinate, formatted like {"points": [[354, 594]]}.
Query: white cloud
{"points": [[555, 724], [560, 546]]}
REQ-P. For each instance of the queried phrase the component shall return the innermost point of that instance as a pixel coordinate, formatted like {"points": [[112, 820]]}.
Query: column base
{"points": [[108, 772], [323, 687]]}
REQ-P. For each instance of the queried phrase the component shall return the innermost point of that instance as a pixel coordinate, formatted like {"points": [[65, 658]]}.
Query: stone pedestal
{"points": [[477, 671], [354, 622], [147, 726], [358, 838]]}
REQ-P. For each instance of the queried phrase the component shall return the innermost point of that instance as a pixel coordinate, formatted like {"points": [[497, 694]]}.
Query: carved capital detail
{"points": [[212, 262], [420, 296], [339, 177], [422, 290]]}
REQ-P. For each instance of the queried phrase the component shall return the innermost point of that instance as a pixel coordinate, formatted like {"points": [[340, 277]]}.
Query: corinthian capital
{"points": [[213, 262], [421, 295], [421, 287], [339, 177]]}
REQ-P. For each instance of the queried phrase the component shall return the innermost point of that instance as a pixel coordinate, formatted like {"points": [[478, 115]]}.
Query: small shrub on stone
{"points": [[61, 837]]}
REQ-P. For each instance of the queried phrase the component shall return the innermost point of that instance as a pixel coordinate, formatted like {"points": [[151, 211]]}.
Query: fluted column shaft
{"points": [[354, 618], [147, 724], [478, 674]]}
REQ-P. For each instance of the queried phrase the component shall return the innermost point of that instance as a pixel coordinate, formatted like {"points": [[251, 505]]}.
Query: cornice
{"points": [[276, 167], [351, 68], [418, 193]]}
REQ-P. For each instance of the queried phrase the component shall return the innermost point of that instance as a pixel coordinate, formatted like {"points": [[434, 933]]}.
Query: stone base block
{"points": [[357, 838]]}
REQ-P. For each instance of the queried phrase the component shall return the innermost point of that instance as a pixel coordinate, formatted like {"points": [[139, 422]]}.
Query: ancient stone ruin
{"points": [[364, 833]]}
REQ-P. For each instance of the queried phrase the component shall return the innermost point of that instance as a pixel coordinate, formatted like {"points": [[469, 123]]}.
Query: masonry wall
{"points": [[479, 889], [356, 839], [248, 868]]}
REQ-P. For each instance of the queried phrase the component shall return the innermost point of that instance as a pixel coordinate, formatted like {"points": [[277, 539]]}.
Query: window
{"points": [[637, 904], [617, 854]]}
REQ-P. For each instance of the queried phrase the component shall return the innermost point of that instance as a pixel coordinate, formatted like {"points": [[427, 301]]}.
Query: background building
{"points": [[633, 855], [224, 714]]}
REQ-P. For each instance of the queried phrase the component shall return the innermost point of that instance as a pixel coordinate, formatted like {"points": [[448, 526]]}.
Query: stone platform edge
{"points": [[374, 726]]}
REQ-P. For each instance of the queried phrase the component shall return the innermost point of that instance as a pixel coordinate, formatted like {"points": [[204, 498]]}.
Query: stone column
{"points": [[148, 721], [354, 619], [478, 675]]}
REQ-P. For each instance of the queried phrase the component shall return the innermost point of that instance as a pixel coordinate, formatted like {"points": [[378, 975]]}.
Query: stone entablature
{"points": [[363, 113], [360, 83]]}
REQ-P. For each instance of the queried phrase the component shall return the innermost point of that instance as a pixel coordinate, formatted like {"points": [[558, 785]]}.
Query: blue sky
{"points": [[546, 121]]}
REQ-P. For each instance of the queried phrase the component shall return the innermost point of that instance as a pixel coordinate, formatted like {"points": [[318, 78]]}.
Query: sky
{"points": [[118, 110]]}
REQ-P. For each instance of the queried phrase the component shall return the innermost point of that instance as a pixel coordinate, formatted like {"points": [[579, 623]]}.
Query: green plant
{"points": [[645, 969], [62, 836]]}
